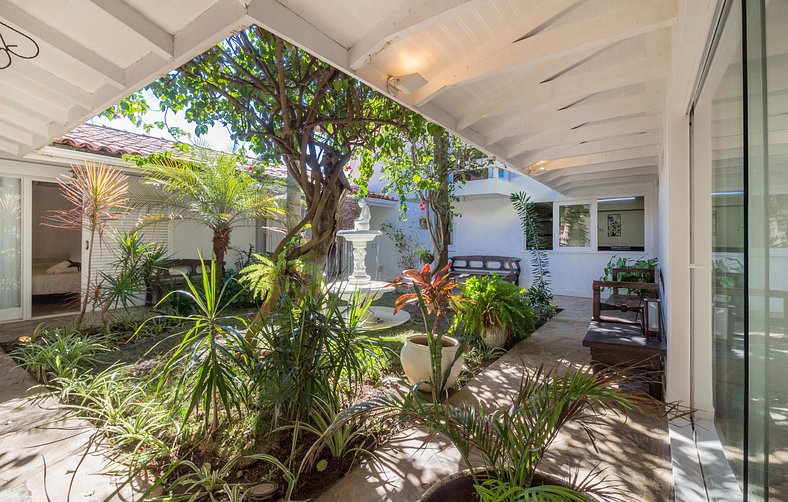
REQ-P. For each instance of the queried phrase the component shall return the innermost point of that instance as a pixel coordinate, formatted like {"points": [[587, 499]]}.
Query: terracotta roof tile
{"points": [[103, 140], [116, 143]]}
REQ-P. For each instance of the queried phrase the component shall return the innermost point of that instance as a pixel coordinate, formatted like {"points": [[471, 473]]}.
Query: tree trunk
{"points": [[221, 241], [440, 229]]}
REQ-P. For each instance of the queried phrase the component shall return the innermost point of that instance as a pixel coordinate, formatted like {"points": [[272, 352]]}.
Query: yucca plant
{"points": [[97, 194], [510, 443], [210, 366], [217, 190]]}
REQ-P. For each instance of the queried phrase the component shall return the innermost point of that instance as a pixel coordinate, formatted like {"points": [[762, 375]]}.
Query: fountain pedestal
{"points": [[359, 287]]}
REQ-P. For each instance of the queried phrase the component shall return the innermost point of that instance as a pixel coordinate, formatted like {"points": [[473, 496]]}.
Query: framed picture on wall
{"points": [[614, 225]]}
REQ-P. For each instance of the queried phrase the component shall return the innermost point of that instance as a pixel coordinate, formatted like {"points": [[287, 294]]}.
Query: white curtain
{"points": [[10, 242]]}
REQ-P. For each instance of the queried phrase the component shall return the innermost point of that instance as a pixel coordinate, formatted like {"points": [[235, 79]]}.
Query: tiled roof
{"points": [[117, 142], [103, 140]]}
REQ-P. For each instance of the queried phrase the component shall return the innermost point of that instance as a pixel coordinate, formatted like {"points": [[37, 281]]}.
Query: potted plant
{"points": [[502, 449], [494, 309], [433, 360], [424, 256]]}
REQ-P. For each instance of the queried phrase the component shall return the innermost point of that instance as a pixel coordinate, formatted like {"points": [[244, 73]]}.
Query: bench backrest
{"points": [[485, 263]]}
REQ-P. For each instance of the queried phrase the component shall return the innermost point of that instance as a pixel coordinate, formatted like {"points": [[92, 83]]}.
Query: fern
{"points": [[529, 221]]}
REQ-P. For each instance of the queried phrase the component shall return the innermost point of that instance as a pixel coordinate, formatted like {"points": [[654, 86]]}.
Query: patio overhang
{"points": [[571, 92]]}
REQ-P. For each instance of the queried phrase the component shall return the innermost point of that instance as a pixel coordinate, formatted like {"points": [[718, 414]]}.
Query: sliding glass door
{"points": [[740, 250], [10, 248]]}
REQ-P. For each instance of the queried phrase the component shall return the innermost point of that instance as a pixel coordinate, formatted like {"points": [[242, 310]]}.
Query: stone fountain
{"points": [[359, 286]]}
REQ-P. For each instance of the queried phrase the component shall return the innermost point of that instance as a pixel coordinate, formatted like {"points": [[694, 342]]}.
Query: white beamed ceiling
{"points": [[569, 91]]}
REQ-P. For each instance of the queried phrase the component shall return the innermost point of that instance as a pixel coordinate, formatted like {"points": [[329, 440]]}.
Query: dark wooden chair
{"points": [[626, 295], [507, 267], [632, 338]]}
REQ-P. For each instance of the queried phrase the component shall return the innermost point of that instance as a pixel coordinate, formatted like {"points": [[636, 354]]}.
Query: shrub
{"points": [[488, 301], [60, 352]]}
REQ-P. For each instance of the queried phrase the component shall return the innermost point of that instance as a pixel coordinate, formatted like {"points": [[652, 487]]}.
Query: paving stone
{"points": [[634, 450]]}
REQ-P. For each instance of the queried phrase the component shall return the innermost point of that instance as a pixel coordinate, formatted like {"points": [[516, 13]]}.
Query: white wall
{"points": [[191, 239], [489, 225]]}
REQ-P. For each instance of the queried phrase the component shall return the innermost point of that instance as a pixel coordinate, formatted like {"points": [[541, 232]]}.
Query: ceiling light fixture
{"points": [[407, 84]]}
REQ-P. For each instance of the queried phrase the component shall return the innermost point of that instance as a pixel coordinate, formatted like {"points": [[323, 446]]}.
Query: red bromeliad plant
{"points": [[433, 294]]}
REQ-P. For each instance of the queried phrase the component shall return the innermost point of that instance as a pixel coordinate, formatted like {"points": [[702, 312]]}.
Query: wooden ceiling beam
{"points": [[413, 17], [161, 42], [619, 24]]}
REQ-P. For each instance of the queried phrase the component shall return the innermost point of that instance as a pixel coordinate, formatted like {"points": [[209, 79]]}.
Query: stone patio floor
{"points": [[41, 447], [634, 450]]}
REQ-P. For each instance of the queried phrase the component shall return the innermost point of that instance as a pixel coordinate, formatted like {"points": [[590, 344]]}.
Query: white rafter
{"points": [[599, 158], [622, 23], [591, 147], [576, 86], [648, 164], [414, 17], [644, 103], [161, 42], [577, 184], [561, 136], [57, 40]]}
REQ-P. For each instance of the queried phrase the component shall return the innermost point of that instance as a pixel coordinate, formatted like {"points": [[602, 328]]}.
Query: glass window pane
{"points": [[621, 224], [10, 243], [574, 224], [545, 225]]}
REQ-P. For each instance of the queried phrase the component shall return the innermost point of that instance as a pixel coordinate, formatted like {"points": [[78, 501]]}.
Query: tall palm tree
{"points": [[217, 190]]}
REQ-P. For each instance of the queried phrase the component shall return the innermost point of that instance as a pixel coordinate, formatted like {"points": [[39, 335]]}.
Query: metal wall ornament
{"points": [[14, 43]]}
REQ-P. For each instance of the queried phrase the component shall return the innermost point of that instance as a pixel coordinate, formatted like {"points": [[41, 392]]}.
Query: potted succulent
{"points": [[424, 255], [502, 449], [433, 360], [494, 310]]}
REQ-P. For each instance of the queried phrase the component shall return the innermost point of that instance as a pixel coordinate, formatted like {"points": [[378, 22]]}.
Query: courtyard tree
{"points": [[424, 161], [285, 106]]}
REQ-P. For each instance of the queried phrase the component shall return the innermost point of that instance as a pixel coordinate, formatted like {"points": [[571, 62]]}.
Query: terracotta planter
{"points": [[495, 336], [459, 487], [416, 361]]}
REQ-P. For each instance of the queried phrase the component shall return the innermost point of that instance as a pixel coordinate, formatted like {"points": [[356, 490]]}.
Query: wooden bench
{"points": [[462, 267], [625, 345], [170, 275]]}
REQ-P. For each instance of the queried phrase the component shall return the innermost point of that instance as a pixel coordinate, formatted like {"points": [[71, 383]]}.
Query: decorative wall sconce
{"points": [[14, 43]]}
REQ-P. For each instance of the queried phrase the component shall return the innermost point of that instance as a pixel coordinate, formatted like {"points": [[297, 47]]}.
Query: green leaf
{"points": [[322, 465]]}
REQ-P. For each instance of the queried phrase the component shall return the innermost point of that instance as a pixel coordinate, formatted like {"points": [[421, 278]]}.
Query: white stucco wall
{"points": [[489, 225]]}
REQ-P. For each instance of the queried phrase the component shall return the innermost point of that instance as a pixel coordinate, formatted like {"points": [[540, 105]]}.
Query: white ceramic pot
{"points": [[415, 360], [495, 336]]}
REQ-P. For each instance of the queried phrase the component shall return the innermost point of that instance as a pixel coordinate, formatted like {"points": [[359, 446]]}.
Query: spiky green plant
{"points": [[510, 442], [97, 194], [58, 352], [529, 221], [207, 369]]}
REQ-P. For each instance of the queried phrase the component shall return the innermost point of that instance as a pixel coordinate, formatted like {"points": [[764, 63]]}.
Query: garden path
{"points": [[633, 450], [40, 448]]}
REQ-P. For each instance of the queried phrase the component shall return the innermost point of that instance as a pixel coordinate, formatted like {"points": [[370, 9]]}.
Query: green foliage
{"points": [[512, 442], [531, 225], [131, 272], [208, 366], [488, 301], [404, 243], [216, 190], [283, 104], [312, 349], [542, 305], [423, 161], [59, 352], [625, 262]]}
